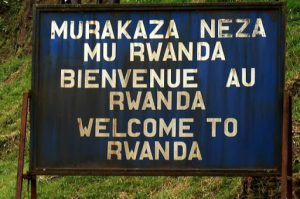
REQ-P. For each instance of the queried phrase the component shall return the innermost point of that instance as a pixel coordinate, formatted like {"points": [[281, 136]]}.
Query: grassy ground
{"points": [[293, 51], [15, 79]]}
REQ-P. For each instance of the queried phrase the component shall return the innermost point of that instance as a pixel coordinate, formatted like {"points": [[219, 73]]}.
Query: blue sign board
{"points": [[158, 90]]}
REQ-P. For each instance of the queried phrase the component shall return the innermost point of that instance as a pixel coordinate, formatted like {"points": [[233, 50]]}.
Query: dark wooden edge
{"points": [[33, 188], [286, 173], [161, 7], [34, 82], [20, 175]]}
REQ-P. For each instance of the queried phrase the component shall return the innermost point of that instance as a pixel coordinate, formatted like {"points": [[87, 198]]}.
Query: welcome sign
{"points": [[157, 90]]}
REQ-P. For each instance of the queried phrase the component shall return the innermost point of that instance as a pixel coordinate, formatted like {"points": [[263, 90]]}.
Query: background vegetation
{"points": [[15, 75]]}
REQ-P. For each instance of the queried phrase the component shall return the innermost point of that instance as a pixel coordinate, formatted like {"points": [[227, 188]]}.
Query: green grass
{"points": [[139, 187], [296, 108], [15, 79], [9, 24], [293, 51], [293, 46], [8, 168]]}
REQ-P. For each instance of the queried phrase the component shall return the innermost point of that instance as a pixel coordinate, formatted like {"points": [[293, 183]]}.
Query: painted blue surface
{"points": [[258, 109]]}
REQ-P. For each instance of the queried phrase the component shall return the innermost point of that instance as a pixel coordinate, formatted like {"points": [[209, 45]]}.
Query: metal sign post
{"points": [[20, 175], [287, 152]]}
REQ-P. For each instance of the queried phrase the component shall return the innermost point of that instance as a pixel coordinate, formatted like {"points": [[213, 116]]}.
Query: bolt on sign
{"points": [[158, 90]]}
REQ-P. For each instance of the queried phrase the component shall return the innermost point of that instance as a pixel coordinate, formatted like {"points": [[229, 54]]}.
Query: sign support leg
{"points": [[33, 187], [20, 175], [286, 168]]}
